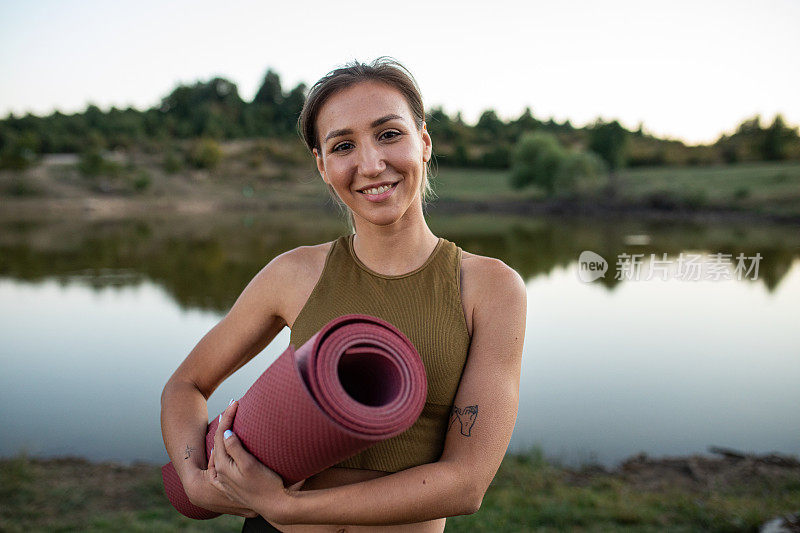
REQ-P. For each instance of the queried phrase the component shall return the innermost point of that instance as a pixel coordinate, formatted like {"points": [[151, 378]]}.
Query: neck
{"points": [[397, 248]]}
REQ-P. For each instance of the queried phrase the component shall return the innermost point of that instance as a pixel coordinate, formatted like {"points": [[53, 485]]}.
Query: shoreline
{"points": [[730, 492], [716, 456], [119, 207]]}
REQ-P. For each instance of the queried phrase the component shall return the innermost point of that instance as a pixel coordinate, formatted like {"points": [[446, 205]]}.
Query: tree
{"points": [[579, 172], [440, 124], [270, 93], [776, 140], [539, 159], [609, 141], [535, 160], [212, 109], [489, 124], [18, 152], [292, 106], [526, 121]]}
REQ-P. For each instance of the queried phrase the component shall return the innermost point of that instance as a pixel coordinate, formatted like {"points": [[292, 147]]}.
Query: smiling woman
{"points": [[377, 160], [465, 314], [383, 74]]}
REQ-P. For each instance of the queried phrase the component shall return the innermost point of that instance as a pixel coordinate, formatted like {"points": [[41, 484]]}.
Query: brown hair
{"points": [[383, 69]]}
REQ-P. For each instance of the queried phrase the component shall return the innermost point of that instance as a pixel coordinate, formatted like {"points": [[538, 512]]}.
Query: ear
{"points": [[320, 165], [427, 144]]}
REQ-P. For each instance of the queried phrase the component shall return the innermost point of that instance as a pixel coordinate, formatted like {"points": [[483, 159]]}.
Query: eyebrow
{"points": [[375, 124]]}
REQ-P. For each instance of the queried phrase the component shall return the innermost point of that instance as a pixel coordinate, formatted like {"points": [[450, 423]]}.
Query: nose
{"points": [[370, 161]]}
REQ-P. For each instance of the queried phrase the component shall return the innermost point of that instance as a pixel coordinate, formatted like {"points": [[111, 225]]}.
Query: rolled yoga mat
{"points": [[356, 382]]}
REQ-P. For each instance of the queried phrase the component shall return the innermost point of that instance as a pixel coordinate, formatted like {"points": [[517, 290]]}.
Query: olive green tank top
{"points": [[425, 304]]}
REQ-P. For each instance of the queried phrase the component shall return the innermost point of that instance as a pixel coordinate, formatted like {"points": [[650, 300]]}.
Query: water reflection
{"points": [[205, 263], [94, 316]]}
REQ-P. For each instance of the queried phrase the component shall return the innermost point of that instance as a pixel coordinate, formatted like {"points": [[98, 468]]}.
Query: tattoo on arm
{"points": [[189, 450], [466, 418]]}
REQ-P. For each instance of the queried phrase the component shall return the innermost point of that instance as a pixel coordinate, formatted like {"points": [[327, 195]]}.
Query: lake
{"points": [[96, 314]]}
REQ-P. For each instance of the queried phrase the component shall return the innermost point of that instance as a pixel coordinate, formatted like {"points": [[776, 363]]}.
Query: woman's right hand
{"points": [[204, 494]]}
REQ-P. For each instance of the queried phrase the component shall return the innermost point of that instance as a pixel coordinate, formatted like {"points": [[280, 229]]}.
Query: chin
{"points": [[381, 221], [385, 218]]}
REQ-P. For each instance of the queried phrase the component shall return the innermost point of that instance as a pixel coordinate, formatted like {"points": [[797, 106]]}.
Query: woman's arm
{"points": [[253, 321], [480, 429]]}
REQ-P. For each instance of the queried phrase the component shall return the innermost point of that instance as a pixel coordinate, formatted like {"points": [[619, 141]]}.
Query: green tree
{"points": [[609, 140], [776, 140], [212, 109], [489, 125], [292, 106], [272, 111], [264, 115], [18, 152], [536, 160], [439, 123], [270, 93], [580, 172], [525, 122]]}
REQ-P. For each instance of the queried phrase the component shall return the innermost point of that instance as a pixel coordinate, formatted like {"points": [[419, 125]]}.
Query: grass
{"points": [[478, 184], [75, 495], [770, 188], [760, 188], [528, 494], [536, 496], [766, 187]]}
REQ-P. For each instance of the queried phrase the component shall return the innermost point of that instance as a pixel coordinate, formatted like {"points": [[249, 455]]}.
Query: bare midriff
{"points": [[336, 477]]}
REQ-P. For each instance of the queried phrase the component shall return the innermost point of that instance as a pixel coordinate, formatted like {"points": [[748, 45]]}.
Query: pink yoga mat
{"points": [[356, 382]]}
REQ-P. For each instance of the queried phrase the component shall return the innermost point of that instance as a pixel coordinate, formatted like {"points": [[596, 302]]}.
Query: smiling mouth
{"points": [[374, 191]]}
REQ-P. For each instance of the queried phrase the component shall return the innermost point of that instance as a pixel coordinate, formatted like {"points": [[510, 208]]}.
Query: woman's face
{"points": [[371, 152]]}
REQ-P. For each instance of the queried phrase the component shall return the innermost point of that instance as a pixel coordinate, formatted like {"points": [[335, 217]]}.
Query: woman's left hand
{"points": [[242, 477]]}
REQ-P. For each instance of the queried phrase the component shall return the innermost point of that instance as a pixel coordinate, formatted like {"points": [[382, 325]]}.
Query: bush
{"points": [[141, 181], [205, 153], [93, 164], [741, 193], [580, 172], [19, 151], [539, 159], [172, 163], [609, 140], [21, 187], [536, 160]]}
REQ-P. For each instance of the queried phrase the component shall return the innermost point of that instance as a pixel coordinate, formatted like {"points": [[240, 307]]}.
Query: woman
{"points": [[465, 313]]}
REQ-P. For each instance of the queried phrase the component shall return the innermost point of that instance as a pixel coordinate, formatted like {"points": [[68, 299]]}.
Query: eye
{"points": [[389, 134], [342, 146]]}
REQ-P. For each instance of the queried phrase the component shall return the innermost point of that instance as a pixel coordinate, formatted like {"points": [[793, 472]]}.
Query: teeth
{"points": [[378, 190]]}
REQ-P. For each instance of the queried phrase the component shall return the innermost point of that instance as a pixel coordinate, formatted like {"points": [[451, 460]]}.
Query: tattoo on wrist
{"points": [[465, 417], [189, 450]]}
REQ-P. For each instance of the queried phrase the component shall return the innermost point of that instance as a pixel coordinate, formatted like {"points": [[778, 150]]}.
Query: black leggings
{"points": [[258, 525]]}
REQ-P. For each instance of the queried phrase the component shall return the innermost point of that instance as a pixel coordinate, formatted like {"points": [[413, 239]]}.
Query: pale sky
{"points": [[686, 69]]}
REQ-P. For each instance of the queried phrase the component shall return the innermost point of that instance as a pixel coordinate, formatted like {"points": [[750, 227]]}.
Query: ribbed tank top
{"points": [[425, 304]]}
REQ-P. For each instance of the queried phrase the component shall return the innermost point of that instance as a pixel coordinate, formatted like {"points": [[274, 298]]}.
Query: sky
{"points": [[684, 69]]}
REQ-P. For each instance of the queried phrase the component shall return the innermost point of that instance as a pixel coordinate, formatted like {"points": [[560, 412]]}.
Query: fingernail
{"points": [[212, 449], [220, 419], [227, 434], [231, 402]]}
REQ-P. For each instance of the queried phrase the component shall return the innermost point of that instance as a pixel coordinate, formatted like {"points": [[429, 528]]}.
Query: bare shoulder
{"points": [[296, 272], [489, 282], [301, 261], [481, 274], [285, 280]]}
